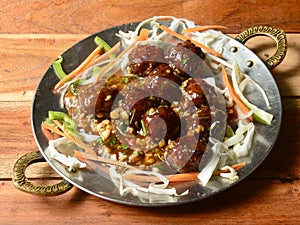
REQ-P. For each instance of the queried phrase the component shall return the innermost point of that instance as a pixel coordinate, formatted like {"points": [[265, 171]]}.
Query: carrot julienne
{"points": [[106, 55], [203, 28], [232, 93], [193, 175], [80, 68], [181, 177], [105, 68], [57, 128], [47, 133], [184, 38], [50, 131], [213, 52], [98, 159], [89, 154], [67, 135], [144, 33]]}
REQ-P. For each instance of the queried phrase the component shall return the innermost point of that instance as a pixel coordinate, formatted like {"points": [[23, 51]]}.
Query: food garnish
{"points": [[150, 111]]}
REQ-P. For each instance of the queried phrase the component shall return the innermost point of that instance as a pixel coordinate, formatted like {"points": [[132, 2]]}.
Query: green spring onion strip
{"points": [[144, 127], [101, 42], [68, 123], [57, 67], [132, 116], [73, 87]]}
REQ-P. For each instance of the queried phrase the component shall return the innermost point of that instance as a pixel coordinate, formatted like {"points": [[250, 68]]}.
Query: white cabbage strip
{"points": [[69, 161], [126, 186], [237, 145]]}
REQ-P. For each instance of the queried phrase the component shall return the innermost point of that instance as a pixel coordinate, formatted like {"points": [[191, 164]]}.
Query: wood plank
{"points": [[246, 203], [91, 16], [25, 58], [33, 33]]}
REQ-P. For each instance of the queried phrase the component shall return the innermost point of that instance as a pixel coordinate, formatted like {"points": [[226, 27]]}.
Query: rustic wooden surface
{"points": [[34, 32]]}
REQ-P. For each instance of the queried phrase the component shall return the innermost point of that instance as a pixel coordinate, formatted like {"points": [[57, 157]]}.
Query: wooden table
{"points": [[34, 32]]}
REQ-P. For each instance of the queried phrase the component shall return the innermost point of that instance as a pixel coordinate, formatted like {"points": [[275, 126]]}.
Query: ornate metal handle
{"points": [[21, 182], [277, 34]]}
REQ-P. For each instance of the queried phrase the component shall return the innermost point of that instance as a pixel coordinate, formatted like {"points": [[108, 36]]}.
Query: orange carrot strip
{"points": [[203, 28], [215, 62], [47, 133], [80, 68], [193, 175], [139, 177], [106, 55], [144, 33], [53, 129], [74, 140], [232, 93], [79, 154], [89, 154], [184, 38], [183, 177], [91, 164], [173, 33], [105, 68], [239, 166], [94, 158], [91, 60], [213, 52]]}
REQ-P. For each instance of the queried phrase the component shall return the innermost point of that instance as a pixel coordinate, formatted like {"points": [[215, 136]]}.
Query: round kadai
{"points": [[161, 112]]}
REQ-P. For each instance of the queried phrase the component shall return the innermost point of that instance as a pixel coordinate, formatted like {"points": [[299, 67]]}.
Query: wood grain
{"points": [[28, 57], [82, 16], [265, 198], [34, 32]]}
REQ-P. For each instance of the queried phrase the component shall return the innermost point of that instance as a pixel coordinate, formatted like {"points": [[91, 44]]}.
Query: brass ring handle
{"points": [[277, 35], [22, 183]]}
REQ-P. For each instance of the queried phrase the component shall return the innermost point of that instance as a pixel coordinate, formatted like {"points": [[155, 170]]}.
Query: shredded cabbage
{"points": [[242, 149], [259, 114], [234, 147], [232, 175], [206, 173], [69, 161], [126, 186]]}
